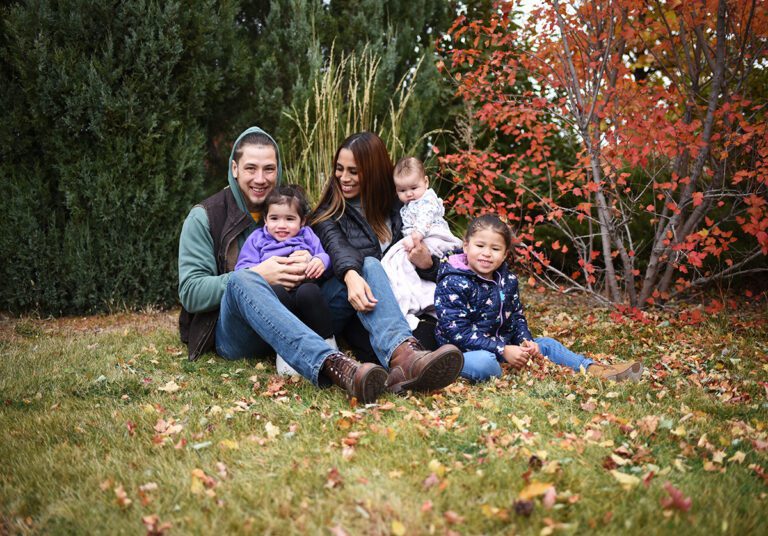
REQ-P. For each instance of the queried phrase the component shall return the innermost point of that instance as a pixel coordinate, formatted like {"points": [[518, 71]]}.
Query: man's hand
{"points": [[420, 256], [315, 268], [517, 356], [359, 293], [288, 272]]}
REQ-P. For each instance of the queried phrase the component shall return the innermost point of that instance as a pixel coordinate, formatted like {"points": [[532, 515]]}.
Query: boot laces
{"points": [[415, 345], [342, 366]]}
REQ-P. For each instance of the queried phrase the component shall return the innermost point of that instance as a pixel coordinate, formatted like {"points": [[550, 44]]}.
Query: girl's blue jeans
{"points": [[481, 365]]}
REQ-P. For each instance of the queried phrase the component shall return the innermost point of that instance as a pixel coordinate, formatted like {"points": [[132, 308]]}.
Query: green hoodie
{"points": [[201, 287]]}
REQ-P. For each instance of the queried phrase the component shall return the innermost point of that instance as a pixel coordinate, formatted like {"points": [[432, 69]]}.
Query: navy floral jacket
{"points": [[474, 313]]}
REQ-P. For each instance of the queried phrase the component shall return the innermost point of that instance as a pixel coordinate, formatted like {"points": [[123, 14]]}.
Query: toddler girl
{"points": [[479, 311], [285, 234]]}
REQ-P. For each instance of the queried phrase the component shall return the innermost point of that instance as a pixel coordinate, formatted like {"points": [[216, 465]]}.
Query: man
{"points": [[238, 314]]}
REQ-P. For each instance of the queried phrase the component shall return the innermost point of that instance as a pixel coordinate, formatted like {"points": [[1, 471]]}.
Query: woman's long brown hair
{"points": [[377, 188]]}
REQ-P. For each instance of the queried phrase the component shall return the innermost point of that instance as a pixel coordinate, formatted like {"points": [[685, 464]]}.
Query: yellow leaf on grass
{"points": [[627, 481], [272, 430], [534, 489], [229, 444], [436, 467], [398, 529], [738, 457], [170, 387]]}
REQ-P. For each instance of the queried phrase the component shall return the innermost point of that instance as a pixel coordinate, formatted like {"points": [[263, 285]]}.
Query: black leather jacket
{"points": [[350, 239]]}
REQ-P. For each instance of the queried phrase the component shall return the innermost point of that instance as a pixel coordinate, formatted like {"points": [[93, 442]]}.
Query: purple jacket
{"points": [[261, 245]]}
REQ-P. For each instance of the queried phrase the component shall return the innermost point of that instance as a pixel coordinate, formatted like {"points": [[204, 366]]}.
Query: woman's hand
{"points": [[315, 268], [517, 356], [359, 293]]}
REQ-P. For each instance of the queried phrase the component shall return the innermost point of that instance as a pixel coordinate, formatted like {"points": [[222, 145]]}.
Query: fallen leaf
{"points": [[122, 497], [627, 481], [436, 467], [229, 444], [170, 387], [738, 457], [338, 530], [523, 508], [431, 481], [426, 506], [333, 479], [398, 529], [453, 518], [676, 499], [272, 430], [154, 526], [549, 499], [534, 489]]}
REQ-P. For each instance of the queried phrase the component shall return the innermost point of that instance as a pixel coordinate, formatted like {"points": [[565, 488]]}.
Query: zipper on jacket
{"points": [[501, 308]]}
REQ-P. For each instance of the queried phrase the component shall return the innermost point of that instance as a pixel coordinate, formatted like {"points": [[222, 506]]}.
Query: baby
{"points": [[422, 215], [422, 210]]}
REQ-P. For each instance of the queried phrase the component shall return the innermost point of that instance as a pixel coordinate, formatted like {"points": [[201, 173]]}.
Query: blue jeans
{"points": [[385, 324], [481, 365], [253, 323]]}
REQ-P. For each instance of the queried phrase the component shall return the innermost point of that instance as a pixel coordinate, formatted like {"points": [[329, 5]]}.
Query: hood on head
{"points": [[231, 179], [457, 264]]}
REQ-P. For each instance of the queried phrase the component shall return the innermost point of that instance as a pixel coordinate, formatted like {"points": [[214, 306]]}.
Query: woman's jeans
{"points": [[253, 323], [481, 365], [385, 324]]}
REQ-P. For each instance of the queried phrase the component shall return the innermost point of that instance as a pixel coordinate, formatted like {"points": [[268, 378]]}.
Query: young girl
{"points": [[479, 311], [284, 234]]}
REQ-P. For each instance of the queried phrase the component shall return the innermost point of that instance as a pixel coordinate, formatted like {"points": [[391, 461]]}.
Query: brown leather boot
{"points": [[413, 368], [364, 381]]}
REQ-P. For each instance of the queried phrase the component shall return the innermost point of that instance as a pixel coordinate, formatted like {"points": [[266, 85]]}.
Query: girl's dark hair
{"points": [[254, 138], [492, 222], [288, 194], [377, 189]]}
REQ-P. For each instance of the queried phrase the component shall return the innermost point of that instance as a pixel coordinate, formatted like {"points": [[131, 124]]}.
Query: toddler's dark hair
{"points": [[288, 194], [492, 222]]}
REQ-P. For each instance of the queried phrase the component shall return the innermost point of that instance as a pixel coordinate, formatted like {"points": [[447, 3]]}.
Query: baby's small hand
{"points": [[408, 244], [416, 238], [315, 268]]}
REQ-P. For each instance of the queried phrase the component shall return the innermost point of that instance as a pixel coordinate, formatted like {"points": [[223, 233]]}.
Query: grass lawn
{"points": [[107, 428]]}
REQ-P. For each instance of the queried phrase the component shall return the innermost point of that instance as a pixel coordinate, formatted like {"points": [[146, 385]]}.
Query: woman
{"points": [[357, 220]]}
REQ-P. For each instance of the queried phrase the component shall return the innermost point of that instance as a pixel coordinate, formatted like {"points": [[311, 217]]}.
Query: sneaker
{"points": [[283, 368]]}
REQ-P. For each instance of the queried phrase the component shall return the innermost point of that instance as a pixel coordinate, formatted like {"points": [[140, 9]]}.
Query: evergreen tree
{"points": [[107, 106]]}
